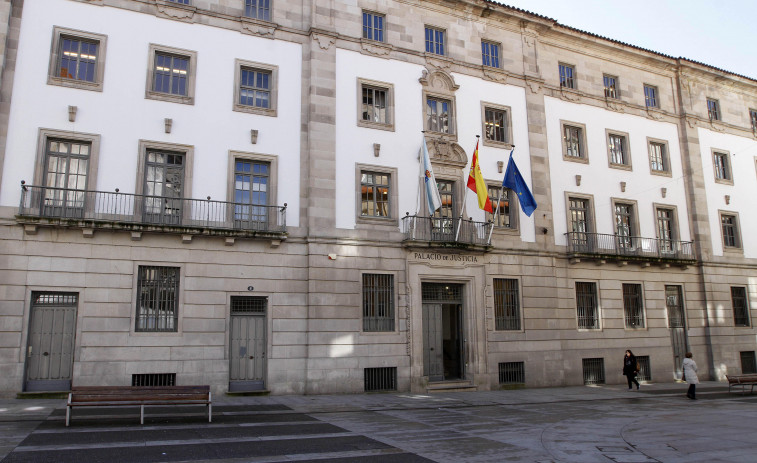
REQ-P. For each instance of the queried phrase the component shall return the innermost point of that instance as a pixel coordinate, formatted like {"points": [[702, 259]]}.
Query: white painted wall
{"points": [[743, 159], [603, 182], [399, 149], [122, 115]]}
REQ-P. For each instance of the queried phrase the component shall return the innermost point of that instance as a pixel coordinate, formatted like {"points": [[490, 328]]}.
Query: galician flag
{"points": [[429, 181], [478, 185], [514, 181]]}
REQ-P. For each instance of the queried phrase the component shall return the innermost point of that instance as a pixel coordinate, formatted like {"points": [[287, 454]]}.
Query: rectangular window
{"points": [[753, 119], [666, 232], [380, 379], [442, 219], [374, 105], [378, 302], [730, 226], [722, 165], [650, 96], [182, 2], [713, 109], [611, 87], [171, 74], [495, 125], [658, 157], [77, 59], [573, 141], [255, 88], [434, 41], [594, 371], [503, 208], [618, 146], [512, 373], [65, 178], [645, 369], [157, 299], [439, 115], [506, 304], [567, 73], [625, 225], [163, 187], [374, 190], [740, 306], [633, 306], [251, 194], [373, 26], [258, 9], [748, 363], [579, 226], [490, 54], [586, 305]]}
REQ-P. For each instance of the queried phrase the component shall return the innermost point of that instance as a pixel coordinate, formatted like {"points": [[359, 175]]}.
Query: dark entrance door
{"points": [[677, 323], [443, 342]]}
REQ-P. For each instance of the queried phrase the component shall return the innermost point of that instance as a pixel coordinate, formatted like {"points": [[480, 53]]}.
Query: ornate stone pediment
{"points": [[614, 106], [569, 95], [175, 11], [446, 152], [259, 28], [438, 80], [494, 75], [654, 114], [375, 49]]}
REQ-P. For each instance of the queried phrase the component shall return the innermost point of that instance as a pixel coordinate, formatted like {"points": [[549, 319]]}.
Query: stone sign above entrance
{"points": [[444, 257]]}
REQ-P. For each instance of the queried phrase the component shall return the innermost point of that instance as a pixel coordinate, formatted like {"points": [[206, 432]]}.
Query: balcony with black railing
{"points": [[65, 207], [445, 232], [629, 248]]}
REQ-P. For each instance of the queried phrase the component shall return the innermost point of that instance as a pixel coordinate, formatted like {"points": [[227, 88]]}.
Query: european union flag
{"points": [[514, 181]]}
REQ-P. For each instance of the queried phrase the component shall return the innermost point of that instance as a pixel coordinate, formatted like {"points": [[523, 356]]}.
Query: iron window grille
{"points": [[506, 215], [434, 41], [490, 54], [611, 87], [713, 109], [567, 73], [506, 304], [153, 379], [645, 370], [618, 149], [658, 157], [378, 302], [249, 305], [730, 231], [381, 379], [748, 363], [573, 141], [650, 96], [374, 191], [495, 125], [586, 305], [55, 299], [157, 299], [512, 373], [375, 105], [740, 306], [255, 88], [258, 9], [441, 292], [77, 59], [722, 166], [373, 26], [171, 74], [594, 371], [633, 306]]}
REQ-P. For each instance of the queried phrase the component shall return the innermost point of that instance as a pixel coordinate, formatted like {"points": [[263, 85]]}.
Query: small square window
{"points": [[659, 161], [740, 306], [574, 142], [496, 126], [435, 41], [722, 165], [490, 54], [373, 26], [255, 88], [567, 76], [730, 226], [713, 109], [258, 9], [611, 87], [618, 150], [77, 59], [375, 104], [650, 96], [171, 74]]}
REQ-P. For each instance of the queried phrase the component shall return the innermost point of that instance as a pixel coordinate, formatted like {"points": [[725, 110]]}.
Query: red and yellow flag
{"points": [[478, 185]]}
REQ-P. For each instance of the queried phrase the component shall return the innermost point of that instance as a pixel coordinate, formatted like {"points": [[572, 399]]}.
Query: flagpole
{"points": [[499, 201], [465, 197], [420, 187]]}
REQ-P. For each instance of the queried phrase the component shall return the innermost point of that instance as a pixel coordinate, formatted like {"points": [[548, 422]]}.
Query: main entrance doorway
{"points": [[247, 343], [443, 341], [677, 324]]}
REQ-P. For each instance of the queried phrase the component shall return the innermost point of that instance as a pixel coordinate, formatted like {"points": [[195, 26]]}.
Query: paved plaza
{"points": [[551, 425]]}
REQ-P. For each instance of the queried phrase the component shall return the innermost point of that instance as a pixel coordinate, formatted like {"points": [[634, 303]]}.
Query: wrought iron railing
{"points": [[116, 207], [619, 245], [445, 230]]}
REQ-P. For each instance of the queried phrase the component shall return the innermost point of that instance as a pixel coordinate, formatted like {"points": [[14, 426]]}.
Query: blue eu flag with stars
{"points": [[514, 181]]}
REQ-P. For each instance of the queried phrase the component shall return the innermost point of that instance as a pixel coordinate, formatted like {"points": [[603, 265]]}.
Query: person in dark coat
{"points": [[630, 370]]}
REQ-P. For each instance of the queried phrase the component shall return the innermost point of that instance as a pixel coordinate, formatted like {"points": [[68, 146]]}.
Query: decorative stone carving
{"points": [[494, 75], [372, 48], [569, 95], [446, 152], [653, 114], [324, 41], [259, 28], [533, 86], [614, 106], [175, 11], [438, 80], [692, 122], [716, 127], [433, 62]]}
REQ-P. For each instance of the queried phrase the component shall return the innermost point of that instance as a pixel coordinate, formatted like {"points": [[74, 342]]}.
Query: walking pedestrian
{"points": [[630, 368], [690, 375]]}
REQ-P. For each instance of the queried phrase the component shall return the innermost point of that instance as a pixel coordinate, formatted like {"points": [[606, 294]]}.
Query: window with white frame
{"points": [[625, 224], [713, 109], [658, 157], [157, 299], [504, 208], [439, 115], [375, 194], [255, 88], [376, 104], [77, 59], [496, 125], [252, 179], [722, 166], [729, 223], [666, 229], [611, 87], [573, 142], [373, 26], [506, 304], [618, 151], [567, 75], [650, 96], [435, 40], [378, 302], [587, 307], [258, 9], [171, 74], [490, 54], [633, 306], [740, 306], [581, 236]]}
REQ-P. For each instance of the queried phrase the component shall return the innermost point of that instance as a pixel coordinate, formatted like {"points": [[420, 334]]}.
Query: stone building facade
{"points": [[227, 192]]}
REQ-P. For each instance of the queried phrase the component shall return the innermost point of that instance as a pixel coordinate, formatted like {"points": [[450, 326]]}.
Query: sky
{"points": [[720, 33]]}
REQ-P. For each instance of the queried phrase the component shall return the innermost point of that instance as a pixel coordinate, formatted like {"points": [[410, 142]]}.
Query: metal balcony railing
{"points": [[116, 207], [628, 246], [444, 230]]}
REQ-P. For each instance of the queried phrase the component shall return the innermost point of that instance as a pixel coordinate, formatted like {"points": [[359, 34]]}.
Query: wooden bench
{"points": [[742, 381], [122, 396]]}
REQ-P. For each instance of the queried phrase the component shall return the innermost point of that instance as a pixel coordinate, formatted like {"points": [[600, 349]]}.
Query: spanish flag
{"points": [[478, 185]]}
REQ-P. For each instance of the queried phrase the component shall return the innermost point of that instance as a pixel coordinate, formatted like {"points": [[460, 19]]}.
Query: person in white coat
{"points": [[690, 375]]}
